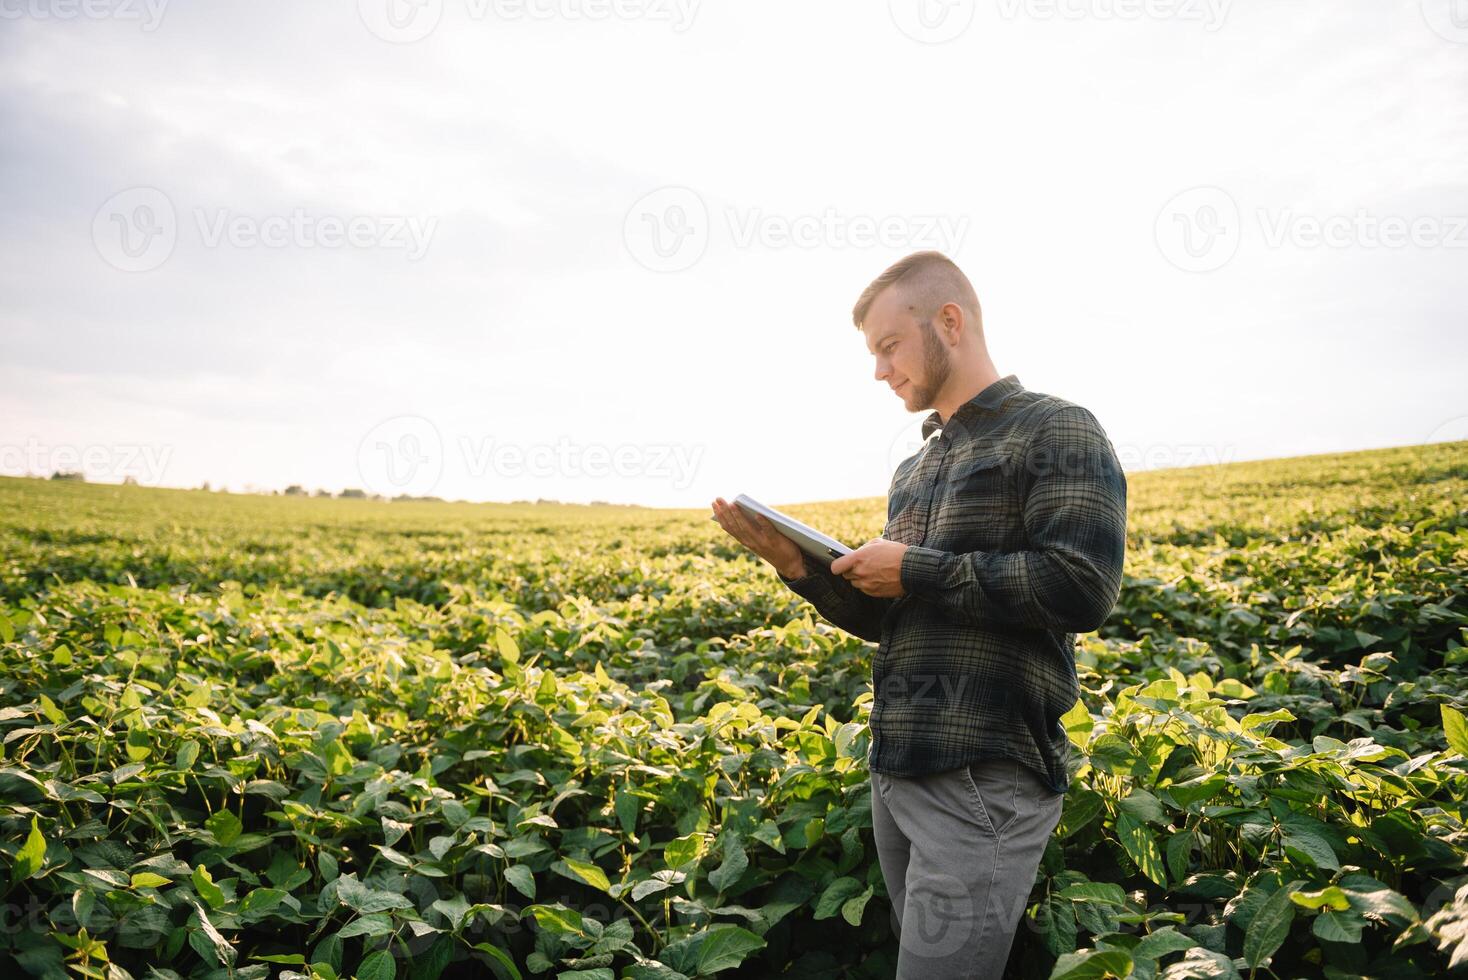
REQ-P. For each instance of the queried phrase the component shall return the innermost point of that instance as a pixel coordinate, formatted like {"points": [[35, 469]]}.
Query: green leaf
{"points": [[1455, 727], [1143, 807], [260, 901], [735, 861], [1340, 927], [139, 748], [1141, 847], [660, 880], [147, 879], [556, 918], [1078, 724], [500, 957], [835, 895], [329, 951], [522, 878], [372, 925], [53, 714], [206, 939], [852, 908], [628, 807], [1092, 964], [188, 753], [508, 648], [1095, 891], [378, 966], [1312, 847], [225, 827], [682, 850], [30, 857], [1329, 896], [1158, 944], [721, 947], [362, 898], [204, 885], [1270, 926], [582, 871]]}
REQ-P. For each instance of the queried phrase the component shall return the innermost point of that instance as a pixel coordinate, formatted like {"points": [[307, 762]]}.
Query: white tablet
{"points": [[808, 539]]}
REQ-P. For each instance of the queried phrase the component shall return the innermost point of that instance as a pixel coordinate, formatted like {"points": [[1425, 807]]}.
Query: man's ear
{"points": [[951, 321]]}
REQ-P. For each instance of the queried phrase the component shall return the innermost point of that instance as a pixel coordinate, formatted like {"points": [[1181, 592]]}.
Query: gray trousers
{"points": [[959, 851]]}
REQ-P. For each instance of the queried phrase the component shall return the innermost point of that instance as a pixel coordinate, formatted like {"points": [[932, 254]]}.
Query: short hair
{"points": [[929, 279]]}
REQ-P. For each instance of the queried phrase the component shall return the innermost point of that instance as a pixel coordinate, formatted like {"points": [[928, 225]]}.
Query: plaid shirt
{"points": [[1015, 518]]}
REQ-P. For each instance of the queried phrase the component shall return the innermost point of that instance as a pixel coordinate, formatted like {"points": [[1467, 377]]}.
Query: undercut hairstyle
{"points": [[927, 280]]}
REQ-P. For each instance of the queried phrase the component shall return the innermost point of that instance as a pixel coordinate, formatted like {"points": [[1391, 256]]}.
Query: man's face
{"points": [[911, 357]]}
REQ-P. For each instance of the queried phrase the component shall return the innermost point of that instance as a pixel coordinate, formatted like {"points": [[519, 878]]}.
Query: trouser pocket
{"points": [[994, 785]]}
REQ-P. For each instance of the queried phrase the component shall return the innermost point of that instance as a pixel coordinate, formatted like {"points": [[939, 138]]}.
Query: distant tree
{"points": [[295, 490], [204, 486], [322, 493], [352, 493], [129, 481], [76, 476]]}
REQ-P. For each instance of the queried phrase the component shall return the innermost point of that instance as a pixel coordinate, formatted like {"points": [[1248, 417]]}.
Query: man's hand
{"points": [[758, 535], [875, 568]]}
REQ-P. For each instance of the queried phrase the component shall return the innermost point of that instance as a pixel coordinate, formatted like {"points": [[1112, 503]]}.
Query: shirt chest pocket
{"points": [[980, 500]]}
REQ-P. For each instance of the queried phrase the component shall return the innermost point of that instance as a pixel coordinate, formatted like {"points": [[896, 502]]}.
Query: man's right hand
{"points": [[760, 536]]}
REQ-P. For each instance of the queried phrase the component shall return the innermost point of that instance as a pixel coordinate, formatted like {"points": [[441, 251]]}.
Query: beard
{"points": [[936, 368]]}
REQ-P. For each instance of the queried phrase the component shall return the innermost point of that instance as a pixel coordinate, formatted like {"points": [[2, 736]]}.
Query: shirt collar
{"points": [[987, 400]]}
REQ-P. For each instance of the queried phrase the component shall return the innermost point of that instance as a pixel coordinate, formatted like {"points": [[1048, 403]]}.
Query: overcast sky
{"points": [[607, 249]]}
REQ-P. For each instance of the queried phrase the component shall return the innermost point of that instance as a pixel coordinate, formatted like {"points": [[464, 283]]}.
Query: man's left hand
{"points": [[875, 568]]}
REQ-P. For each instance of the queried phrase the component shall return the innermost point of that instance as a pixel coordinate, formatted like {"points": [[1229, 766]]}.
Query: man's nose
{"points": [[883, 369]]}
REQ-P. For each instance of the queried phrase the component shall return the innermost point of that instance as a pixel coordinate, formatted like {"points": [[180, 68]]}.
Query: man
{"points": [[1005, 536]]}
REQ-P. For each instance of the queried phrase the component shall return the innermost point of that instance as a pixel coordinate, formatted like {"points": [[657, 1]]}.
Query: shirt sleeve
{"points": [[840, 602], [1073, 496]]}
